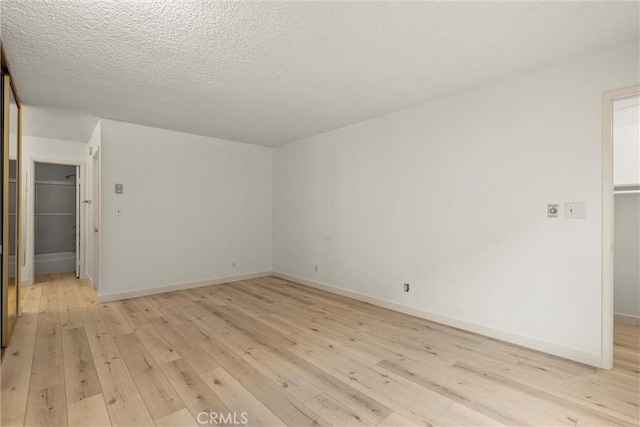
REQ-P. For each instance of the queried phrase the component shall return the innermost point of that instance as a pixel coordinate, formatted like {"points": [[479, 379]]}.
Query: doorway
{"points": [[621, 183], [56, 219], [626, 212]]}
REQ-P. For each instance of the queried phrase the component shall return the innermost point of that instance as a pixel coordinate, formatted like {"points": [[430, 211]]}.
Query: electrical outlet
{"points": [[118, 211], [406, 287], [552, 210], [316, 268]]}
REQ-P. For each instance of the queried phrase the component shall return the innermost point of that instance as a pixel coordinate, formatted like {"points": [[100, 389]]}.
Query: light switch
{"points": [[575, 210], [118, 211]]}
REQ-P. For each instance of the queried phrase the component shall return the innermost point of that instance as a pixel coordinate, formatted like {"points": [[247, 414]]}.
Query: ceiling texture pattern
{"points": [[272, 72]]}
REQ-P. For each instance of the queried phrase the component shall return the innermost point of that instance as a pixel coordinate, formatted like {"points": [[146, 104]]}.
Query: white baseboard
{"points": [[93, 285], [625, 318], [27, 282], [533, 343], [179, 286]]}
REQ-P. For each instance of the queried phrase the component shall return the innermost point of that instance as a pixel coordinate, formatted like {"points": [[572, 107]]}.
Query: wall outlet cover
{"points": [[552, 210], [575, 210]]}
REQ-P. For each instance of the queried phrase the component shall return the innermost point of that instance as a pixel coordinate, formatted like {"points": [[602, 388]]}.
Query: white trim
{"points": [[608, 99], [96, 216], [27, 283], [625, 318], [180, 286], [90, 279], [536, 344]]}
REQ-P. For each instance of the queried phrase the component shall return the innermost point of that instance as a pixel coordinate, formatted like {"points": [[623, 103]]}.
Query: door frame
{"points": [[80, 196], [96, 166], [608, 98], [7, 82]]}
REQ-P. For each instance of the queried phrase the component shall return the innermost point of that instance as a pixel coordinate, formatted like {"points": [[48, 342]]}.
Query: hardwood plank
{"points": [[417, 407], [292, 355], [234, 364], [126, 306], [238, 399], [174, 315], [89, 412], [182, 418], [463, 415], [286, 407], [145, 307], [47, 407], [124, 403], [189, 351], [98, 334], [85, 295], [574, 410], [47, 369], [70, 316], [80, 376], [334, 412], [49, 308], [195, 393], [136, 320], [19, 346], [269, 367], [155, 343], [359, 402], [114, 319], [27, 324], [396, 420], [160, 398], [32, 298], [239, 323], [492, 401], [284, 378], [359, 371], [14, 391]]}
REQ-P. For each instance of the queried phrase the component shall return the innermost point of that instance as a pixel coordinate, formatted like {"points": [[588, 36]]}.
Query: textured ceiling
{"points": [[272, 72], [58, 124]]}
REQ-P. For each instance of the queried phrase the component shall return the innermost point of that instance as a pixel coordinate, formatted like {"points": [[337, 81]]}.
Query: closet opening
{"points": [[626, 210], [56, 219], [620, 216]]}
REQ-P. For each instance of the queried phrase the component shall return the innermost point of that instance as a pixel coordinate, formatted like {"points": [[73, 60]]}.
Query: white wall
{"points": [[191, 206], [52, 150], [451, 196]]}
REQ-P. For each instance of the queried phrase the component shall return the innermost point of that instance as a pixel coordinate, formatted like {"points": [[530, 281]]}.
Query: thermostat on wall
{"points": [[119, 188]]}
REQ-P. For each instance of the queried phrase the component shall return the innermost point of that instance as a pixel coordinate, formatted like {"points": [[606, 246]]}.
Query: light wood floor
{"points": [[286, 354]]}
